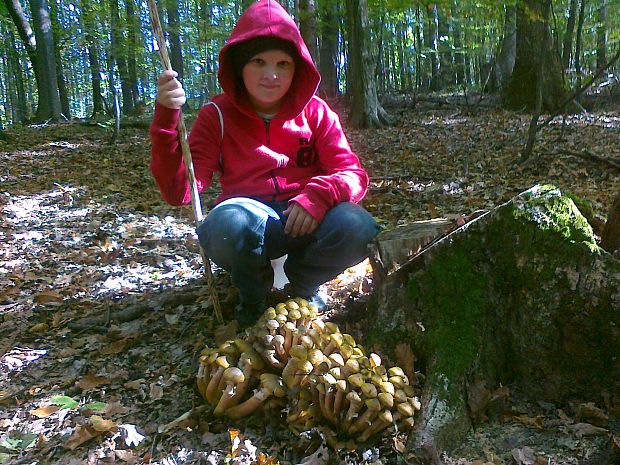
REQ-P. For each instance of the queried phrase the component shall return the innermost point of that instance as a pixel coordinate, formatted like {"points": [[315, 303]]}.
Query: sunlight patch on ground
{"points": [[19, 357]]}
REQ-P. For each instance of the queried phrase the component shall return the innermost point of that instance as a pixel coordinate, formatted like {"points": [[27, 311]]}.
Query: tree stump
{"points": [[521, 296], [610, 239]]}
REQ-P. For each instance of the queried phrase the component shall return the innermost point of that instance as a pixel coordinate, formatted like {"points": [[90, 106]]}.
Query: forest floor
{"points": [[86, 241]]}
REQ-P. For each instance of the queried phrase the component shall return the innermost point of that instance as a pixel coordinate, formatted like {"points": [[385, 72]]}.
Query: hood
{"points": [[269, 18]]}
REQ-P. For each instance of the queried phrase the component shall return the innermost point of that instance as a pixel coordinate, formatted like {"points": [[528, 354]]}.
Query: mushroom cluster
{"points": [[323, 374]]}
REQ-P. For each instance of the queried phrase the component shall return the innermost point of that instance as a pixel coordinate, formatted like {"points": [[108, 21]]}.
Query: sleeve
{"points": [[167, 158], [342, 177]]}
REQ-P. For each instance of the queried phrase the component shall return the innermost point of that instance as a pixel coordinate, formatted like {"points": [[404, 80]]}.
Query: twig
{"points": [[187, 160], [587, 155]]}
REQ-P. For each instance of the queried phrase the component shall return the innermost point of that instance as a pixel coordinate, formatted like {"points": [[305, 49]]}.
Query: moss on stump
{"points": [[521, 296]]}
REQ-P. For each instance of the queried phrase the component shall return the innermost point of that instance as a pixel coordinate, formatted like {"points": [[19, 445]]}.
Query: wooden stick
{"points": [[187, 159]]}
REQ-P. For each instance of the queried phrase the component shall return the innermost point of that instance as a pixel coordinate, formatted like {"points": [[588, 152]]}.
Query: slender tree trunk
{"points": [[580, 21], [60, 76], [402, 68], [88, 24], [431, 42], [534, 43], [567, 46], [119, 52], [457, 38], [132, 46], [20, 108], [418, 52], [307, 26], [601, 35], [506, 59], [176, 52], [443, 47], [380, 66], [366, 111], [49, 99]]}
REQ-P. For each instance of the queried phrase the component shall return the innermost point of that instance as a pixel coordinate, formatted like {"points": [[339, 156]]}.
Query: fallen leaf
{"points": [[586, 429], [131, 435], [524, 456], [126, 456], [135, 384], [45, 411], [81, 435], [101, 424], [91, 381], [115, 348], [39, 328], [156, 391], [48, 296], [405, 359], [64, 402]]}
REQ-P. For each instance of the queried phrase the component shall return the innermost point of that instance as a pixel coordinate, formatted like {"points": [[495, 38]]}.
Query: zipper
{"points": [[273, 177]]}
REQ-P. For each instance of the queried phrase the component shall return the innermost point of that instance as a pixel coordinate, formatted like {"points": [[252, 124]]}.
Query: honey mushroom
{"points": [[270, 385], [232, 376], [212, 393]]}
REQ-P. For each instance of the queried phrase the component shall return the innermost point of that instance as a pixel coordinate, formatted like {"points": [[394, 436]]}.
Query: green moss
{"points": [[455, 291], [551, 211]]}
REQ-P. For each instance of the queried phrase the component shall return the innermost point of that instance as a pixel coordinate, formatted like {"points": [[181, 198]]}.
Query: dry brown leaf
{"points": [[530, 422], [45, 411], [524, 456], [405, 359], [91, 381], [81, 435], [115, 348], [48, 296], [101, 424], [39, 328], [127, 456]]}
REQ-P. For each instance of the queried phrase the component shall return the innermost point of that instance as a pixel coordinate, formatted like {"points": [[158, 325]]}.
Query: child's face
{"points": [[267, 77]]}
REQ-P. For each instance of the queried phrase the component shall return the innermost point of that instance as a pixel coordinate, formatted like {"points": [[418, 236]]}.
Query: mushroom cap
{"points": [[375, 360], [301, 301], [280, 306], [329, 378], [346, 350], [352, 365], [415, 403], [336, 359], [348, 339], [405, 409], [305, 367], [315, 356], [281, 319], [332, 327], [278, 340], [336, 372], [357, 351], [386, 399], [396, 371], [273, 383], [400, 396], [223, 361], [228, 347], [354, 397], [292, 305], [290, 326], [267, 340], [319, 325], [381, 371], [294, 314], [342, 385], [299, 352], [253, 359], [272, 325], [270, 313], [373, 404], [306, 340], [233, 375], [398, 381], [356, 379], [243, 345], [388, 387], [369, 390], [409, 390], [386, 416]]}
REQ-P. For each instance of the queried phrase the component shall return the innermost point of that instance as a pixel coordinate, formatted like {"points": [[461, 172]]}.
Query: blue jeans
{"points": [[242, 235]]}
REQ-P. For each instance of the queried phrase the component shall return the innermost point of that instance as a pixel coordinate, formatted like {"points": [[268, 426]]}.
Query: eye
{"points": [[285, 64], [257, 61]]}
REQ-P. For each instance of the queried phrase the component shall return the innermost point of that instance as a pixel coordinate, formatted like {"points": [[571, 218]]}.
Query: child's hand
{"points": [[299, 221], [170, 92]]}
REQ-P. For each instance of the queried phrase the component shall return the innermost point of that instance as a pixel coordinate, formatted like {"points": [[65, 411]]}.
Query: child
{"points": [[290, 182]]}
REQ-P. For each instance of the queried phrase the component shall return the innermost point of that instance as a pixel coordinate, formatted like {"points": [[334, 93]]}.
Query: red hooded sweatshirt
{"points": [[301, 155]]}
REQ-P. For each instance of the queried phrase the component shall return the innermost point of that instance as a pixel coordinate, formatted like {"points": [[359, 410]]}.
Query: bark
{"points": [[20, 108], [60, 75], [610, 240], [366, 111], [534, 45], [328, 62], [418, 52], [506, 58], [496, 303], [578, 40], [176, 52], [568, 35], [49, 99], [132, 44], [119, 56], [431, 40], [601, 35], [459, 53], [307, 26]]}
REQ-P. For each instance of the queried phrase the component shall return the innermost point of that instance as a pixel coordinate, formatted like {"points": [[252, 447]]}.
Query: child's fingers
{"points": [[166, 76]]}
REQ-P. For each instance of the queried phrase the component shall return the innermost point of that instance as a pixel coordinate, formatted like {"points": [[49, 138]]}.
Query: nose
{"points": [[271, 72]]}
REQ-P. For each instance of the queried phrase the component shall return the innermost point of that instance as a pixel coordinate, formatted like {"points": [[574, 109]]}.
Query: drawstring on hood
{"points": [[267, 19]]}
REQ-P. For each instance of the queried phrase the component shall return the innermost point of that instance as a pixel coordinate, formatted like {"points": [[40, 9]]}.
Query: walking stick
{"points": [[187, 159]]}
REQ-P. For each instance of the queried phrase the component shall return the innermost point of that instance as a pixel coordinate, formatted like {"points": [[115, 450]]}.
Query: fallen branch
{"points": [[587, 155]]}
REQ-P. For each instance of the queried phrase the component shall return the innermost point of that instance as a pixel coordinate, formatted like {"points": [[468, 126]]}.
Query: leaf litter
{"points": [[104, 308]]}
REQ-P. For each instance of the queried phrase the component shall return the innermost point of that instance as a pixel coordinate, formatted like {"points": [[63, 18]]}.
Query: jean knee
{"points": [[228, 229], [351, 222]]}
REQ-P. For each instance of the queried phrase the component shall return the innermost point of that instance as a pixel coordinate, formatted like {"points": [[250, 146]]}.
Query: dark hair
{"points": [[243, 52]]}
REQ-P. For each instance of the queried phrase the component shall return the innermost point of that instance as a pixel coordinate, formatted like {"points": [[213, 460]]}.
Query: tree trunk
{"points": [[601, 35], [459, 53], [568, 35], [380, 67], [578, 40], [496, 303], [49, 99], [132, 45], [402, 69], [20, 108], [88, 24], [176, 52], [366, 111], [431, 40], [307, 26], [328, 62], [506, 59], [532, 33], [60, 76], [119, 56], [418, 52]]}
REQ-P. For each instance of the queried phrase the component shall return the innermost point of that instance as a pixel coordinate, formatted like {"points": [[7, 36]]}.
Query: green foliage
{"points": [[64, 402]]}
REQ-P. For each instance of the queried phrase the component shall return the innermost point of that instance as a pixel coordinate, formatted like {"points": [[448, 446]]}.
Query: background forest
{"points": [[71, 59]]}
